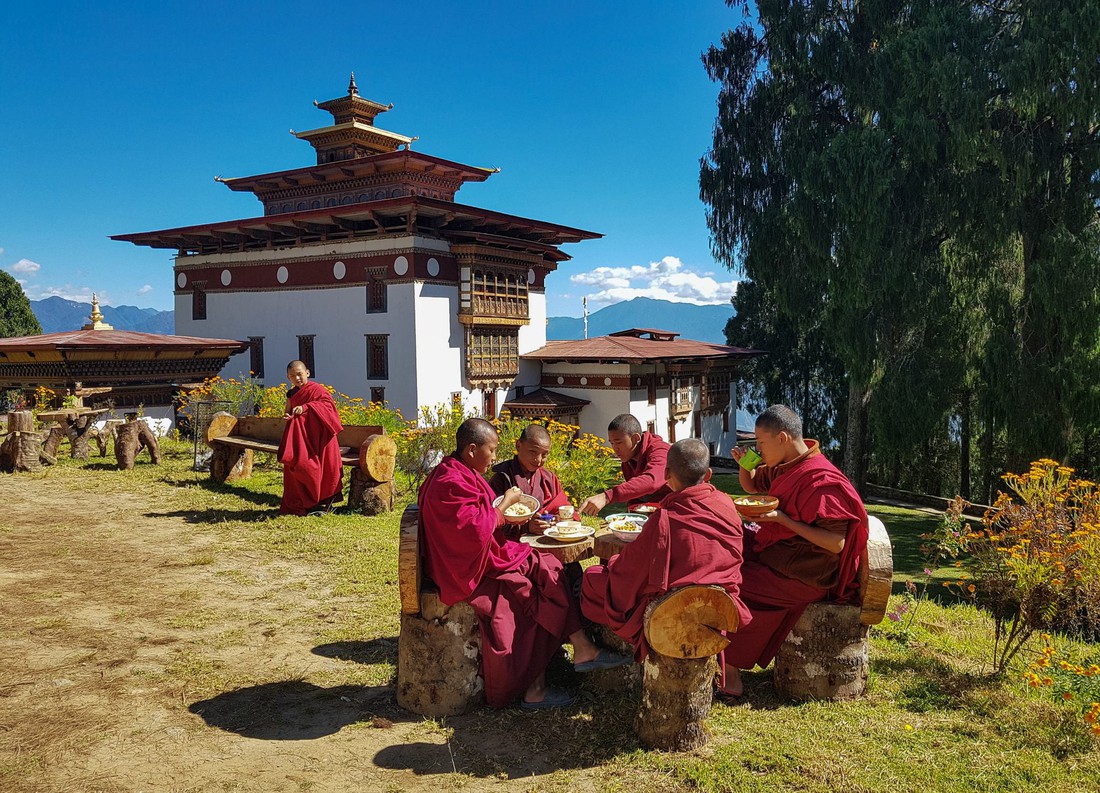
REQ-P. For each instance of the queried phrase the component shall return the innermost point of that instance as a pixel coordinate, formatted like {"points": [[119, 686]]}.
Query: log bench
{"points": [[439, 647], [826, 656], [366, 449]]}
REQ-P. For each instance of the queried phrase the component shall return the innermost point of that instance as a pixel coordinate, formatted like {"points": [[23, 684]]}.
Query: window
{"points": [[378, 363], [377, 394], [489, 410], [376, 295], [671, 431], [198, 302], [256, 356], [305, 353], [651, 427], [725, 420], [651, 386]]}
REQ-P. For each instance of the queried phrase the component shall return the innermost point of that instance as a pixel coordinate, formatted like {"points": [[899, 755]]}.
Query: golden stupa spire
{"points": [[96, 318]]}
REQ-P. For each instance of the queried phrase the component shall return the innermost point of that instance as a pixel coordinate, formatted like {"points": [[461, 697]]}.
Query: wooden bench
{"points": [[826, 656], [439, 647], [369, 452], [683, 630]]}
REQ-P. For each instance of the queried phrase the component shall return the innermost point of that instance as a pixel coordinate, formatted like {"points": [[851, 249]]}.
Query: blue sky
{"points": [[116, 118]]}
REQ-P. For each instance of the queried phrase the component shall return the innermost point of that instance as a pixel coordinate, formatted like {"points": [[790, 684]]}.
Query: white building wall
{"points": [[438, 335]]}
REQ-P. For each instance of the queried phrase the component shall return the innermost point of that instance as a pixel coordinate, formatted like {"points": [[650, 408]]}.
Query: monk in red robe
{"points": [[694, 538], [643, 456], [522, 599], [806, 550], [309, 451], [526, 470]]}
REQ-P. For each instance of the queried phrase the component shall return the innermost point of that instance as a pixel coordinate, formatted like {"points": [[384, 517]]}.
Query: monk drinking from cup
{"points": [[807, 549], [643, 457], [522, 599]]}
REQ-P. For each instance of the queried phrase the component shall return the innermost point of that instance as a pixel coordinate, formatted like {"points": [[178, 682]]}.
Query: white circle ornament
{"points": [[531, 276], [227, 277], [561, 380], [584, 381], [401, 265], [607, 381], [282, 275], [181, 280], [433, 267], [339, 270]]}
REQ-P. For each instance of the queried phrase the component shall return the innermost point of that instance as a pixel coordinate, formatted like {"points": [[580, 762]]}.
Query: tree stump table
{"points": [[78, 425], [130, 438], [567, 552], [605, 544], [826, 656], [684, 630]]}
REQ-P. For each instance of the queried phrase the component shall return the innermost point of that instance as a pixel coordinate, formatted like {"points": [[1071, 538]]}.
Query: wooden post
{"points": [[54, 435], [684, 630], [825, 655], [81, 432], [21, 421]]}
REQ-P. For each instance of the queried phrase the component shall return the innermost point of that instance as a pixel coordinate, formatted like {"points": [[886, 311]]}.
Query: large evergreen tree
{"points": [[16, 317]]}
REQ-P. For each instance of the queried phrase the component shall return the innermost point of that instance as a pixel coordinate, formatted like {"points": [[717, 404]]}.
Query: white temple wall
{"points": [[438, 336]]}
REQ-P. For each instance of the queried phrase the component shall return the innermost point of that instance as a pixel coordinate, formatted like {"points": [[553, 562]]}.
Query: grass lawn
{"points": [[932, 720]]}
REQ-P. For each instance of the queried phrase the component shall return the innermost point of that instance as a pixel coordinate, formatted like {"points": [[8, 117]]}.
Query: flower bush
{"points": [[1067, 681], [1035, 563]]}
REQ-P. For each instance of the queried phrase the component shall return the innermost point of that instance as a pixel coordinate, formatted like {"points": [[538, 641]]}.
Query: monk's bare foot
{"points": [[583, 648], [734, 686]]}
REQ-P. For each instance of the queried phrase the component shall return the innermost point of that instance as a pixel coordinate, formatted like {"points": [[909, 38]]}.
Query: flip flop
{"points": [[605, 659], [555, 698], [727, 696]]}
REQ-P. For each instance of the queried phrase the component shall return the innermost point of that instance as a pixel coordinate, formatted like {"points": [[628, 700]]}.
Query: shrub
{"points": [[1067, 681]]}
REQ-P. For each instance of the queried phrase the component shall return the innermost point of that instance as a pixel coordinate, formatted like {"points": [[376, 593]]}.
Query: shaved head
{"points": [[534, 432], [780, 418], [476, 431], [625, 423], [689, 461]]}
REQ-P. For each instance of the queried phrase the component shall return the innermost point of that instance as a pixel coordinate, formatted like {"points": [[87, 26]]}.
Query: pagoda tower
{"points": [[364, 266]]}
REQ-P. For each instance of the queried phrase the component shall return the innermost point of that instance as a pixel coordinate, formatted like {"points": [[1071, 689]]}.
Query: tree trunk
{"points": [[825, 656], [132, 437], [676, 698], [21, 421], [54, 435], [439, 659], [855, 452], [20, 452], [367, 496], [230, 463], [80, 433], [964, 446], [987, 457], [377, 457]]}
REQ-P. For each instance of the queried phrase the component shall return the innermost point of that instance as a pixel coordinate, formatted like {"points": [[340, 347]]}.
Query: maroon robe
{"points": [[522, 599], [811, 490], [695, 538], [542, 484], [643, 474], [309, 451]]}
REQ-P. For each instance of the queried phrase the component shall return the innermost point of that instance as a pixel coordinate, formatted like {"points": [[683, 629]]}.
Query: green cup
{"points": [[750, 459]]}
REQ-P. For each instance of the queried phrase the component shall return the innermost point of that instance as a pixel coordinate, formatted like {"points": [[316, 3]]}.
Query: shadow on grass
{"points": [[931, 683], [243, 493], [375, 651], [208, 516], [293, 710]]}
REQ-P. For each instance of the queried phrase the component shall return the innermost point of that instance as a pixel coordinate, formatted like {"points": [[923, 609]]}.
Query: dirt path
{"points": [[143, 652]]}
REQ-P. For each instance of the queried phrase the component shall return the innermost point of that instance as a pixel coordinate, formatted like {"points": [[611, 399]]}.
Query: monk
{"points": [[695, 538], [526, 470], [643, 457], [522, 599], [807, 549], [309, 451]]}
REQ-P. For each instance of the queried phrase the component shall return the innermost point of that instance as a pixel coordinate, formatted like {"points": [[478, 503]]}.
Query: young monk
{"points": [[643, 456], [806, 550], [522, 598], [526, 470], [695, 538], [309, 452]]}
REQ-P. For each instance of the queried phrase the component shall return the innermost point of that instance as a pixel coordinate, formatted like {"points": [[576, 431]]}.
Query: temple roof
{"points": [[545, 399], [406, 214], [618, 348], [115, 340], [390, 162], [353, 106]]}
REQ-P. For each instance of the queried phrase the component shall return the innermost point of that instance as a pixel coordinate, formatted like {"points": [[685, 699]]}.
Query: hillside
{"points": [[702, 323], [56, 314]]}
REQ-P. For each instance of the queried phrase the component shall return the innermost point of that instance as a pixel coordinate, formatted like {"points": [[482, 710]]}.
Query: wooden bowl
{"points": [[530, 502], [755, 506]]}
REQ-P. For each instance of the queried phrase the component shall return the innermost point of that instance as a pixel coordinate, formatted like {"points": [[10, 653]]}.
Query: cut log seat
{"points": [[826, 656]]}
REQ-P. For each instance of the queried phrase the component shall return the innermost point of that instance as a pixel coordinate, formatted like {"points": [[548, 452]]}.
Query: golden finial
{"points": [[96, 318], [353, 89]]}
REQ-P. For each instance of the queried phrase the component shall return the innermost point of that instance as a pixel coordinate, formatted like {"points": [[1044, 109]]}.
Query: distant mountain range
{"points": [[701, 323], [56, 314]]}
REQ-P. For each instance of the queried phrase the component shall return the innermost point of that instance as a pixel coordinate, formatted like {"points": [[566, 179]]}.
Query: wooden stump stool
{"points": [[439, 648], [371, 488], [827, 655], [683, 631], [130, 438]]}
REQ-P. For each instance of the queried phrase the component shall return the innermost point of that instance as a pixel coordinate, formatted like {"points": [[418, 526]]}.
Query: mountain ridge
{"points": [[56, 315], [700, 323]]}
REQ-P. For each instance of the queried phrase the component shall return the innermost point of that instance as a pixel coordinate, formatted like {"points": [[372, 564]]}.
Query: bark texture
{"points": [[439, 659], [676, 698], [826, 656]]}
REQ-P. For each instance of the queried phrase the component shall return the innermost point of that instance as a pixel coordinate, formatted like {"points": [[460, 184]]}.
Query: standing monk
{"points": [[695, 538], [309, 451], [808, 549], [643, 455], [522, 599], [526, 470]]}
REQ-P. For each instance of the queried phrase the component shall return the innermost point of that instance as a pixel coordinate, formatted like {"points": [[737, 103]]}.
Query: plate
{"points": [[583, 533]]}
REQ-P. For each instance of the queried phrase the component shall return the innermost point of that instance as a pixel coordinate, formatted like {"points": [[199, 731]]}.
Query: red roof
{"points": [[115, 339], [545, 398], [634, 349]]}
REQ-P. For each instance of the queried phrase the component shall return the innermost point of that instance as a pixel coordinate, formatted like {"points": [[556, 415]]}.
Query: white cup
{"points": [[565, 513]]}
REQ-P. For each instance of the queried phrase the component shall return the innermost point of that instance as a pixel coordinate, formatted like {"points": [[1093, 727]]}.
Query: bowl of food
{"points": [[521, 511], [646, 509], [755, 506], [568, 531], [626, 527]]}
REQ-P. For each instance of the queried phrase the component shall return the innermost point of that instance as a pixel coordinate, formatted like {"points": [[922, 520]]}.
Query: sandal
{"points": [[605, 659], [554, 698]]}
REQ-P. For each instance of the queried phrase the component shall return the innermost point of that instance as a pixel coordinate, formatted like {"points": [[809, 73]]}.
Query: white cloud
{"points": [[78, 294], [25, 266], [667, 279], [145, 290]]}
